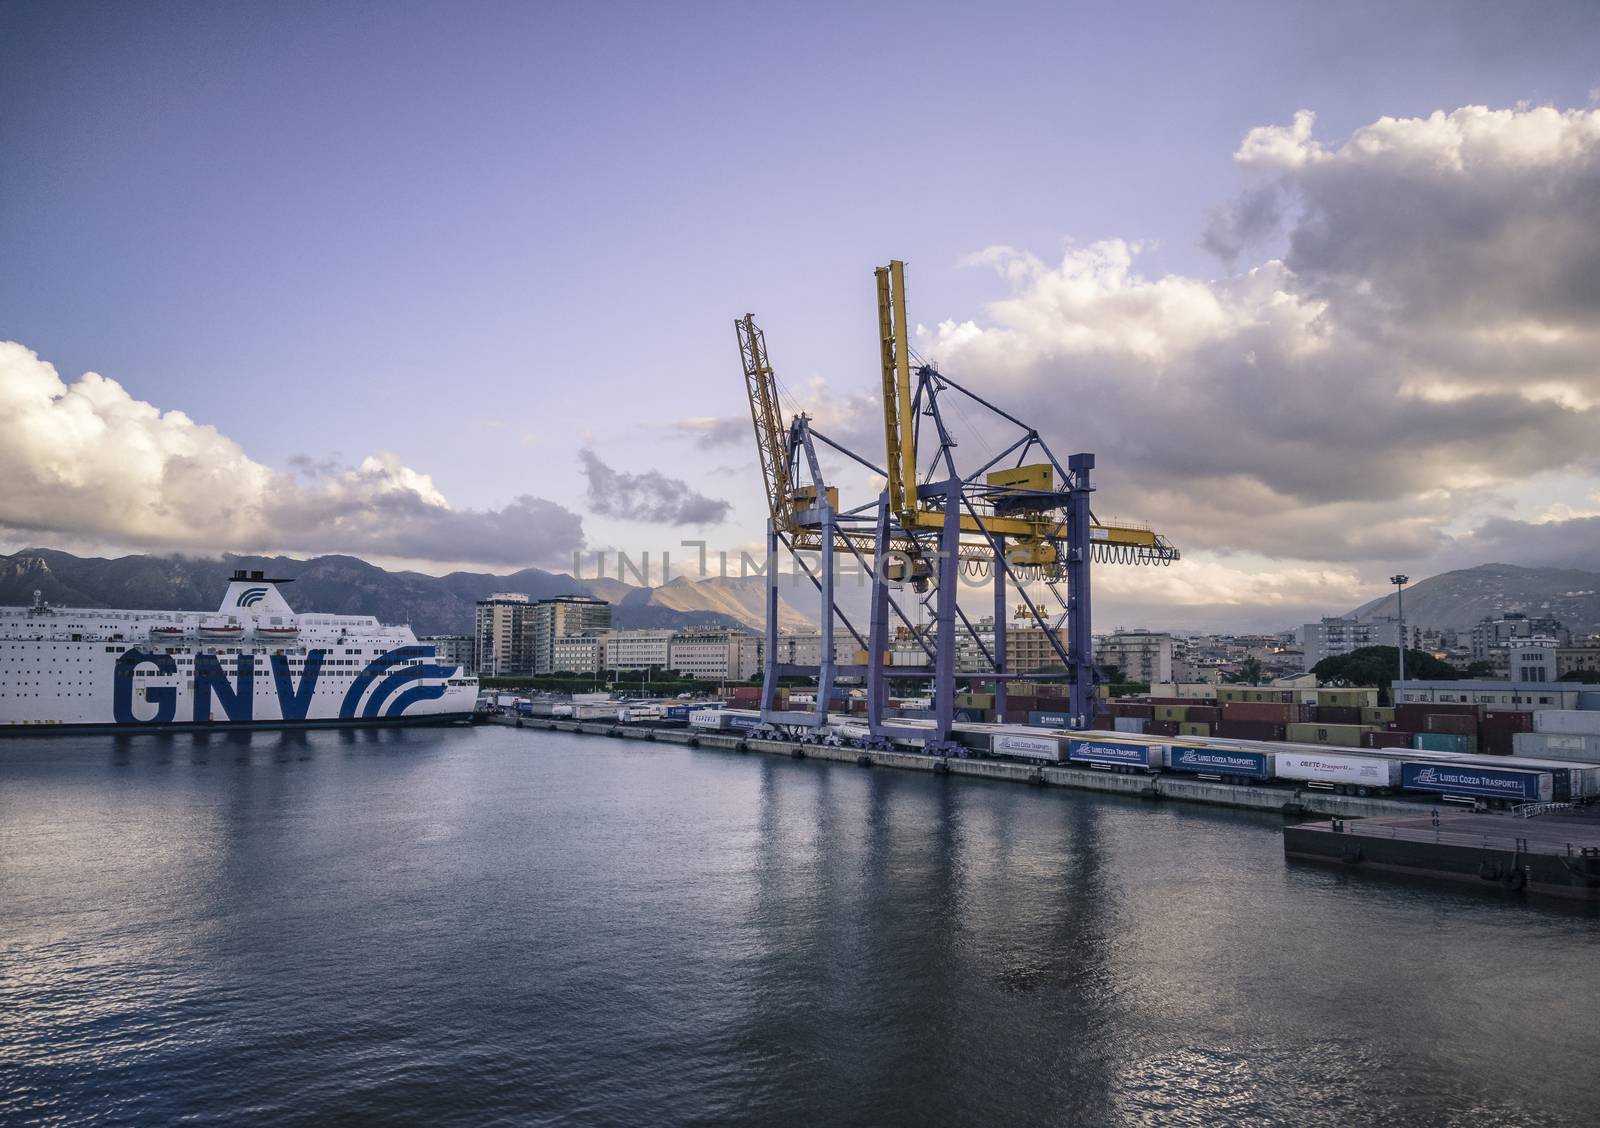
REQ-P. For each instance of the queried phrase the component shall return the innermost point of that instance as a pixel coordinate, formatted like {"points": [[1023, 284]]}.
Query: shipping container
{"points": [[1386, 740], [1101, 753], [1449, 722], [1193, 728], [1172, 712], [1221, 762], [1376, 715], [1050, 720], [1439, 742], [1337, 715], [1248, 730], [1339, 771], [1578, 747], [1572, 722], [1473, 781], [1347, 698], [1275, 712], [1161, 728], [1130, 724], [1343, 736]]}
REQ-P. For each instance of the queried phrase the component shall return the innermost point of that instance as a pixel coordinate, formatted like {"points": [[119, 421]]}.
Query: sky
{"points": [[451, 285]]}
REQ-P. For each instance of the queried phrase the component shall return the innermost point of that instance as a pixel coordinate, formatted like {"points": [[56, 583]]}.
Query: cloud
{"points": [[853, 419], [1431, 337], [650, 496], [1249, 220], [714, 431], [89, 463], [1570, 543]]}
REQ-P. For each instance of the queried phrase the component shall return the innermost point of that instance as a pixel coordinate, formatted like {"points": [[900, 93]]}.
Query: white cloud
{"points": [[87, 462], [1280, 147], [1431, 336]]}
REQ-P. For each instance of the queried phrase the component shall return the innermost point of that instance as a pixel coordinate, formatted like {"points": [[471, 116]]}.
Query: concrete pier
{"points": [[1556, 852], [1294, 802]]}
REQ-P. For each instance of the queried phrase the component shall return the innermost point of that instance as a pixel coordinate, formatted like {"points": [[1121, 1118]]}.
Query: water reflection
{"points": [[463, 927]]}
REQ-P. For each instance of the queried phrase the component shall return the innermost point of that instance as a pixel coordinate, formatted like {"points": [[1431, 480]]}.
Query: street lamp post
{"points": [[1399, 583]]}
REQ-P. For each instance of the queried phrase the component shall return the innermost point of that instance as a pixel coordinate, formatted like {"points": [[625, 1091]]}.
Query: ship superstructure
{"points": [[252, 662]]}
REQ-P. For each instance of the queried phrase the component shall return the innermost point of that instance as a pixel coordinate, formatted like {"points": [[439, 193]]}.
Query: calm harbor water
{"points": [[498, 926]]}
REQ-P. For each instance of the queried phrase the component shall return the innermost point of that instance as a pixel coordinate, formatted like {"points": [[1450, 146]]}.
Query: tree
{"points": [[1480, 669], [1249, 673], [1380, 666], [1587, 677]]}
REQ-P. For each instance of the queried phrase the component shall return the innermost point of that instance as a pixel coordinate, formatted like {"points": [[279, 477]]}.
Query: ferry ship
{"points": [[252, 663]]}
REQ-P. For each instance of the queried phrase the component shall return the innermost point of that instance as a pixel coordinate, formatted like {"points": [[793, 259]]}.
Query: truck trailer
{"points": [[1338, 771]]}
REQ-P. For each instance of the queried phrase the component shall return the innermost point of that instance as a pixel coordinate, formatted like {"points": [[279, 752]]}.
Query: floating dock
{"points": [[1554, 850]]}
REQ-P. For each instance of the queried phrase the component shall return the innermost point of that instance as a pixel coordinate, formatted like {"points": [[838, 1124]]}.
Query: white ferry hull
{"points": [[87, 669]]}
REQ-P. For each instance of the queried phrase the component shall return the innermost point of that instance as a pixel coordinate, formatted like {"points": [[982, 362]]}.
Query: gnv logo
{"points": [[249, 597]]}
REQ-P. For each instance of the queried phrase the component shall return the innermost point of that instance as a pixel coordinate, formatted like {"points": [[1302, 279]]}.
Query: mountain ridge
{"points": [[341, 584], [1457, 599]]}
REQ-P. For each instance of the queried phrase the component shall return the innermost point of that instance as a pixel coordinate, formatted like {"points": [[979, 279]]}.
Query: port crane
{"points": [[1022, 515]]}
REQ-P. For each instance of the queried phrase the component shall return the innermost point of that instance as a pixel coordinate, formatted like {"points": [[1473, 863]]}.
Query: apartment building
{"points": [[1334, 636], [503, 636], [560, 617], [579, 653], [639, 650], [453, 650], [715, 655], [1143, 656]]}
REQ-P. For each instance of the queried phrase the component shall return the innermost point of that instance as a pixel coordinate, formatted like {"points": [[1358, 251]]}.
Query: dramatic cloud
{"points": [[88, 462], [1572, 543], [651, 496], [1431, 336], [1247, 222]]}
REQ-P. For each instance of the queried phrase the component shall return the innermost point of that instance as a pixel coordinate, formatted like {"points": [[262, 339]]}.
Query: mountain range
{"points": [[1456, 600], [350, 586], [444, 604]]}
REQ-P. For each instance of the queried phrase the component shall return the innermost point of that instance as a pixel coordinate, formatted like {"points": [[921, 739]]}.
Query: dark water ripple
{"points": [[498, 927]]}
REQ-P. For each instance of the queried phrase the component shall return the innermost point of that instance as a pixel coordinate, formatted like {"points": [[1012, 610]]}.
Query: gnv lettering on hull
{"points": [[164, 697], [213, 689]]}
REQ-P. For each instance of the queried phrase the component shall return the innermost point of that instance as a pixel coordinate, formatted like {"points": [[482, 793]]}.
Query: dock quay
{"points": [[1298, 802], [1555, 850]]}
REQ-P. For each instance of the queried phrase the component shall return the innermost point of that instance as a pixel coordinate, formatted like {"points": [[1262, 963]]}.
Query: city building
{"points": [[1142, 656], [453, 650], [1491, 633], [639, 649], [1580, 657], [1028, 649], [562, 616], [579, 653], [806, 649], [1532, 659], [503, 636], [1334, 636], [1506, 696], [715, 655]]}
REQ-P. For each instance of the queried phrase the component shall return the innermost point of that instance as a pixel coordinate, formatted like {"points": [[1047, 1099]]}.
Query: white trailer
{"points": [[1042, 746], [639, 711], [1334, 771]]}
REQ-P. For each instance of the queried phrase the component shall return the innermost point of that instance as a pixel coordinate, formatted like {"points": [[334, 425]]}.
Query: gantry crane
{"points": [[1010, 519]]}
